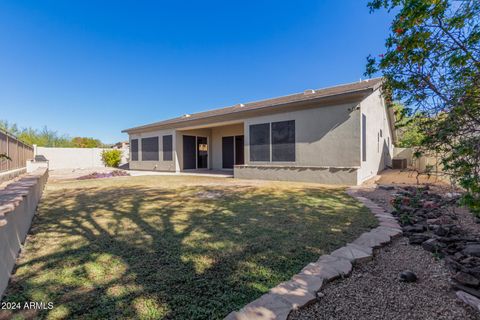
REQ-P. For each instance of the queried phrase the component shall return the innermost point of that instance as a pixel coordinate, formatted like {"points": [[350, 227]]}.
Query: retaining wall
{"points": [[11, 174], [18, 203]]}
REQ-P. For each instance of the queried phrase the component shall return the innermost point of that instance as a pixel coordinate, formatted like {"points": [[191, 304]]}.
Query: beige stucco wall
{"points": [[159, 165], [324, 175], [74, 158], [328, 144], [379, 151], [325, 136], [216, 145]]}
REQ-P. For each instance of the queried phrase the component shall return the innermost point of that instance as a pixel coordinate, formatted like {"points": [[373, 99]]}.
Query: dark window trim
{"points": [[134, 149], [279, 149], [256, 157], [150, 155], [167, 153]]}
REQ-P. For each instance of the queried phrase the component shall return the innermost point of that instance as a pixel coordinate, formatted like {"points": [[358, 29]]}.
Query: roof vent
{"points": [[241, 105], [186, 115], [308, 91]]}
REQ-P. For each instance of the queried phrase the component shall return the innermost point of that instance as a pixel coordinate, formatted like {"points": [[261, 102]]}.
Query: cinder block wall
{"points": [[75, 158], [18, 203]]}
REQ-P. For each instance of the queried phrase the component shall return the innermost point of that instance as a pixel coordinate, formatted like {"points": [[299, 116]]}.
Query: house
{"points": [[337, 135], [121, 145]]}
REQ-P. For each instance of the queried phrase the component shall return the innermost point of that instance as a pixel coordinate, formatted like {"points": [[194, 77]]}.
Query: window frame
{"points": [[268, 143], [276, 147], [134, 153], [167, 154], [146, 154]]}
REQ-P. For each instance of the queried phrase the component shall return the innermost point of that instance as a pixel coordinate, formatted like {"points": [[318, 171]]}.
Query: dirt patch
{"points": [[408, 177]]}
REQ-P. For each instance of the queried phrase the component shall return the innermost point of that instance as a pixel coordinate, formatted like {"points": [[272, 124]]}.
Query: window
{"points": [[260, 142], [134, 149], [150, 149], [364, 138], [283, 141], [167, 148]]}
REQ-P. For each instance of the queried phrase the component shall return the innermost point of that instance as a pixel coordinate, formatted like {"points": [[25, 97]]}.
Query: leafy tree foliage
{"points": [[408, 128], [432, 64], [83, 142], [49, 138]]}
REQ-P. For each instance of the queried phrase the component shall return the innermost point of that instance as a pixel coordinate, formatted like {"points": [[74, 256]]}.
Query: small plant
{"points": [[112, 158], [437, 255], [405, 219]]}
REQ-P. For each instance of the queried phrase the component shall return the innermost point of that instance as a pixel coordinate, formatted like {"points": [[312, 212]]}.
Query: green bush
{"points": [[112, 158]]}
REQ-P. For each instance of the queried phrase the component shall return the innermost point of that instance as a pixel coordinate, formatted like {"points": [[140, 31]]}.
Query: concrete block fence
{"points": [[18, 203], [302, 289]]}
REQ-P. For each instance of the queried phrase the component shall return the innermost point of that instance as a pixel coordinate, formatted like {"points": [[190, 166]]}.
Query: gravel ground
{"points": [[374, 292]]}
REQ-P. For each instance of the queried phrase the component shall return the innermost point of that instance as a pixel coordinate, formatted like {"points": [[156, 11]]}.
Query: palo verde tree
{"points": [[432, 65]]}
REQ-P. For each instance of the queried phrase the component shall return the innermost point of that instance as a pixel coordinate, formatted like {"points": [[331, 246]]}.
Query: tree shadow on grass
{"points": [[138, 252]]}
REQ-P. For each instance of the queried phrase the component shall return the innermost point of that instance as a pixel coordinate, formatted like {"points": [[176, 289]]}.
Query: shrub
{"points": [[112, 158]]}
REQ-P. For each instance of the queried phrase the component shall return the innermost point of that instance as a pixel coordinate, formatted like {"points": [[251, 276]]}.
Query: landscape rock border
{"points": [[302, 289]]}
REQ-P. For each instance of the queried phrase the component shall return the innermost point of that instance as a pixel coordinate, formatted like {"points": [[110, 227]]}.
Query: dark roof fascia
{"points": [[316, 102]]}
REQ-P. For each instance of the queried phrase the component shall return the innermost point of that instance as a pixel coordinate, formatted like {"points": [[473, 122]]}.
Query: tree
{"points": [[49, 138], [432, 65], [84, 142], [44, 138], [408, 128]]}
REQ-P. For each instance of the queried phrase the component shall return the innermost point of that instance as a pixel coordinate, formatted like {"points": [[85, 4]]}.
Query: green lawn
{"points": [[174, 247]]}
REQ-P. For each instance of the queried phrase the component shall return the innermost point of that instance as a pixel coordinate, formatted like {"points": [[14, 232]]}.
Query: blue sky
{"points": [[93, 68]]}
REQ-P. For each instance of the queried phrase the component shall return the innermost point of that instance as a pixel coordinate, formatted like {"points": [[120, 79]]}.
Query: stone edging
{"points": [[18, 202], [303, 287]]}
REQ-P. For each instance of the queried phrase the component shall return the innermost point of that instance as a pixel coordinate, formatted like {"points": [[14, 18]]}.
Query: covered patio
{"points": [[216, 148]]}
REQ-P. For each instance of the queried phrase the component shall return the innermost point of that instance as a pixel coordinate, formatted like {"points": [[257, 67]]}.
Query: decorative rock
{"points": [[389, 224], [267, 307], [310, 283], [434, 221], [475, 272], [372, 239], [416, 228], [352, 254], [433, 245], [407, 276], [391, 232], [385, 187], [466, 279], [342, 266], [469, 299], [321, 271], [441, 231], [469, 290], [292, 293], [452, 264], [417, 238], [367, 250], [472, 250]]}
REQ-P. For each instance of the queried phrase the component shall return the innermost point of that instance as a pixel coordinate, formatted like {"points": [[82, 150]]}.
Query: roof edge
{"points": [[313, 98]]}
